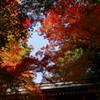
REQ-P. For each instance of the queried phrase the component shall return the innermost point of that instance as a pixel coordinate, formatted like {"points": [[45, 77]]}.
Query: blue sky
{"points": [[37, 42]]}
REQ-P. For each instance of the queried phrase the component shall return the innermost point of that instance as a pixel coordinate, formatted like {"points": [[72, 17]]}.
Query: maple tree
{"points": [[73, 26], [68, 25], [13, 33], [15, 63]]}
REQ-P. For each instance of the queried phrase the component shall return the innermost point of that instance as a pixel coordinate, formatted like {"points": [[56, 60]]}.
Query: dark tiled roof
{"points": [[69, 88]]}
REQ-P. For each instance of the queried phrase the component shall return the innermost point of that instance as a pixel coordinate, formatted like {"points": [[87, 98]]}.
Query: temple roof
{"points": [[63, 88]]}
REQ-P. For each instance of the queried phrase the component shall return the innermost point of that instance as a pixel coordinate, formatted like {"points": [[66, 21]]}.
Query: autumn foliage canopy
{"points": [[73, 52], [73, 26]]}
